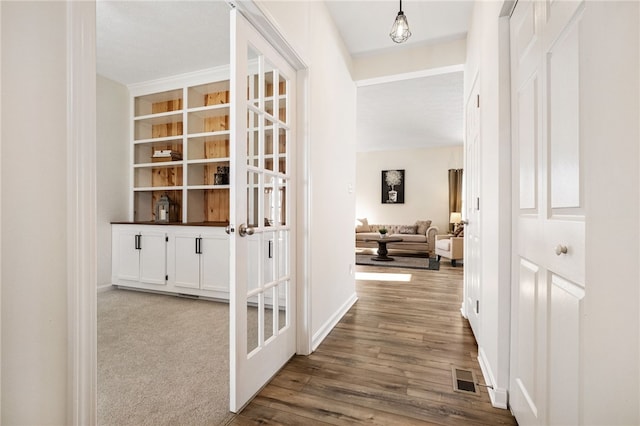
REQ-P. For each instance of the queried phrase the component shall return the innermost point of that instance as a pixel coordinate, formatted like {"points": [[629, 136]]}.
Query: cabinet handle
{"points": [[270, 249], [138, 242], [198, 245]]}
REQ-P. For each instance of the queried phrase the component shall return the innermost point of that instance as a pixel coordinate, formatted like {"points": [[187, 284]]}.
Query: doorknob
{"points": [[229, 229], [245, 230], [560, 249], [464, 222]]}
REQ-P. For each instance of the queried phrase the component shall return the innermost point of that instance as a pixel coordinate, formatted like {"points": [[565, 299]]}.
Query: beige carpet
{"points": [[162, 360]]}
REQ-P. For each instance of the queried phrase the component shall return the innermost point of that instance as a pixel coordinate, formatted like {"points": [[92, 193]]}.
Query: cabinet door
{"points": [[187, 261], [215, 262], [153, 258], [126, 257]]}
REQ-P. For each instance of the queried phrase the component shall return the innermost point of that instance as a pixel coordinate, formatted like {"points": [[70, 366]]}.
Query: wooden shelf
{"points": [[193, 121]]}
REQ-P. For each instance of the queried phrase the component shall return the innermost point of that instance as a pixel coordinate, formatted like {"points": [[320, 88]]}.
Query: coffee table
{"points": [[382, 248]]}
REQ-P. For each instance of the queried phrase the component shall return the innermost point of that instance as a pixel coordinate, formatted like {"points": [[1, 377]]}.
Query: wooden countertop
{"points": [[213, 224]]}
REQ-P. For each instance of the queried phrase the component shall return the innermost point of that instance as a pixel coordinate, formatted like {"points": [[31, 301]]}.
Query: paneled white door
{"points": [[549, 211], [472, 249], [262, 296]]}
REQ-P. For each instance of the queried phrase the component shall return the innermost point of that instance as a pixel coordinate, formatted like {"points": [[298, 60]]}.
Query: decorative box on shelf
{"points": [[160, 156]]}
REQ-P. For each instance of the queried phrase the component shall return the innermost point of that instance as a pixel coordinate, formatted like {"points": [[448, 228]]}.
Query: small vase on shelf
{"points": [[383, 232]]}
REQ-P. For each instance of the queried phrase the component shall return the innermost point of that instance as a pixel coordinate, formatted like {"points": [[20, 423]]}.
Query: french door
{"points": [[549, 211], [262, 296]]}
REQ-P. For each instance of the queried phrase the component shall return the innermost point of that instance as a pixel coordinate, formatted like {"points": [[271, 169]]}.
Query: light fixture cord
{"points": [[400, 6]]}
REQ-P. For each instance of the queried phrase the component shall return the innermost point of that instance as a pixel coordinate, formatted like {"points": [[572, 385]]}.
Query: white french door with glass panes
{"points": [[262, 297]]}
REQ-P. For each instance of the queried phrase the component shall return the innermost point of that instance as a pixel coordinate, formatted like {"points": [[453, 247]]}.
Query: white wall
{"points": [[483, 59], [331, 111], [408, 59], [426, 185], [34, 234], [611, 142], [112, 167]]}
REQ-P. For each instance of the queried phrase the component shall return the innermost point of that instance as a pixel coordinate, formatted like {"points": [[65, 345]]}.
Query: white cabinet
{"points": [[201, 261], [139, 256], [191, 260]]}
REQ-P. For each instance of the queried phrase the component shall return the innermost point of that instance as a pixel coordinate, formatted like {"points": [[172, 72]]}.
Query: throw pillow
{"points": [[364, 227], [422, 225], [408, 229], [459, 231]]}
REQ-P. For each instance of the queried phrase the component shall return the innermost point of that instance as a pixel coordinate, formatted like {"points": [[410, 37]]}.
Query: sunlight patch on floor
{"points": [[379, 276]]}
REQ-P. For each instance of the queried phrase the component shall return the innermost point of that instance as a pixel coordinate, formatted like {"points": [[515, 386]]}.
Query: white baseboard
{"points": [[333, 320], [498, 396], [105, 287], [463, 311]]}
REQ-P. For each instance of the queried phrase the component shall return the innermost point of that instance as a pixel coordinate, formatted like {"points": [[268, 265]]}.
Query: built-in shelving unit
{"points": [[180, 140]]}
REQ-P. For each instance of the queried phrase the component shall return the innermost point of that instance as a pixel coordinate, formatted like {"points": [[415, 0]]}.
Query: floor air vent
{"points": [[464, 380]]}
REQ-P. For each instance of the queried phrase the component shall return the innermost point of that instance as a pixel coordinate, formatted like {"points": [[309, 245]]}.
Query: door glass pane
{"points": [[269, 141], [253, 262], [283, 136], [268, 312], [253, 139], [270, 90], [269, 200], [253, 199], [283, 254], [283, 303], [253, 77], [269, 256], [252, 323], [282, 201], [282, 99]]}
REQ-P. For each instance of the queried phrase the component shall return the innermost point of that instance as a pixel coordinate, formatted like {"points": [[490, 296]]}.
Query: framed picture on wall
{"points": [[393, 187]]}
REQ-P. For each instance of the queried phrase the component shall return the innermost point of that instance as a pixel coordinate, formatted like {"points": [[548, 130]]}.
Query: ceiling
{"points": [[415, 113], [145, 40], [365, 24]]}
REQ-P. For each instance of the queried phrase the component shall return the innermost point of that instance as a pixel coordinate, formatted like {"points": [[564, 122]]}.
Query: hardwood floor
{"points": [[388, 362]]}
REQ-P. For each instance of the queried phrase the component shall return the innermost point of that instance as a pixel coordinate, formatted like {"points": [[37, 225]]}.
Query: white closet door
{"points": [[549, 228]]}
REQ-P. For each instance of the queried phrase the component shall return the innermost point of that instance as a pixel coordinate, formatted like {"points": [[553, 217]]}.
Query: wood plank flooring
{"points": [[388, 362]]}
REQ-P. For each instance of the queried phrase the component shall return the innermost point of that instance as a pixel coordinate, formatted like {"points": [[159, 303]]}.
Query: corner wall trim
{"points": [[332, 322], [497, 395], [81, 214]]}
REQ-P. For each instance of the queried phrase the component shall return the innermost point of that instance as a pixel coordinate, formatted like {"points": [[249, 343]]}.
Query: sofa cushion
{"points": [[361, 236], [443, 244], [408, 229], [411, 238], [364, 225], [423, 225]]}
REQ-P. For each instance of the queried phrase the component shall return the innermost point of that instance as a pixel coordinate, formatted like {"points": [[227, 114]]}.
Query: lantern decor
{"points": [[166, 210], [222, 176]]}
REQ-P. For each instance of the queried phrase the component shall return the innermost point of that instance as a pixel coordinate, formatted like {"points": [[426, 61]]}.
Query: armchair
{"points": [[450, 247]]}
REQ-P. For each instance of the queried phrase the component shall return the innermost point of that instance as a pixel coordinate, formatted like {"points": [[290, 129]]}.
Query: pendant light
{"points": [[400, 29]]}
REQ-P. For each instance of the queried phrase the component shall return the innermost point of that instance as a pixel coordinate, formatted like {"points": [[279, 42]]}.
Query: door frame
{"points": [[82, 189], [81, 214]]}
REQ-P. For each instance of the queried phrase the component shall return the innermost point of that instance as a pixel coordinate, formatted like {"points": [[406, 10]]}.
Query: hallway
{"points": [[387, 362]]}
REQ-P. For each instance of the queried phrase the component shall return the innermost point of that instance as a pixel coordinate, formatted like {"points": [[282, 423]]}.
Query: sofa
{"points": [[420, 236]]}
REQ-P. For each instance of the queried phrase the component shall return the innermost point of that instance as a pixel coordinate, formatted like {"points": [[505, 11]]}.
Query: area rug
{"points": [[400, 262]]}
